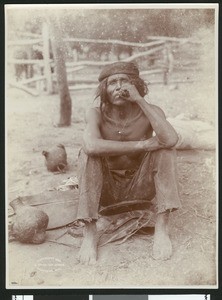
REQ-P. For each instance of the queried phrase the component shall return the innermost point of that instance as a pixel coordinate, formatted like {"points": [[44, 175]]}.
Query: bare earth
{"points": [[193, 230]]}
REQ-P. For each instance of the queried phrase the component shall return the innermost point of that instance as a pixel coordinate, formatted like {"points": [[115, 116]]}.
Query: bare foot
{"points": [[88, 251], [162, 247]]}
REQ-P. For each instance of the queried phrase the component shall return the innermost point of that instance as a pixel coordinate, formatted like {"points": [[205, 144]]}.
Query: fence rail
{"points": [[153, 49], [24, 42]]}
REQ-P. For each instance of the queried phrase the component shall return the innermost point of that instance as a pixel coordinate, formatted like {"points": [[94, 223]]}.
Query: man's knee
{"points": [[90, 163], [165, 159], [165, 153], [82, 157]]}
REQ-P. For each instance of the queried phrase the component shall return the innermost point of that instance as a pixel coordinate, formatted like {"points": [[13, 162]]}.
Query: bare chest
{"points": [[133, 129]]}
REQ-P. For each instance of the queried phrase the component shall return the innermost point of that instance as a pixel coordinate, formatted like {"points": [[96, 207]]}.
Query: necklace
{"points": [[118, 126], [120, 131]]}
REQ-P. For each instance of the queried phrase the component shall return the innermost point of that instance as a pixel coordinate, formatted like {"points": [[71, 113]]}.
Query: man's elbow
{"points": [[170, 142], [89, 148], [173, 140]]}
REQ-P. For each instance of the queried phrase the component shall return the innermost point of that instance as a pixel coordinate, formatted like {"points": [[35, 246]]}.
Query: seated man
{"points": [[122, 160]]}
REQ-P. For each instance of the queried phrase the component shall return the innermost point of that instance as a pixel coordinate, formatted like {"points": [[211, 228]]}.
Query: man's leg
{"points": [[162, 246], [89, 247], [90, 186], [157, 177], [167, 197]]}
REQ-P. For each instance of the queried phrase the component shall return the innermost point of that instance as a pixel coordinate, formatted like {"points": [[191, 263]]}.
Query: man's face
{"points": [[115, 84]]}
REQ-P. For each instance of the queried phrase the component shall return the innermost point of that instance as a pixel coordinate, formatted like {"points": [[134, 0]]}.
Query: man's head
{"points": [[124, 69]]}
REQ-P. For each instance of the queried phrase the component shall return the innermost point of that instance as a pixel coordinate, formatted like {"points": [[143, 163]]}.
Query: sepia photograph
{"points": [[111, 146]]}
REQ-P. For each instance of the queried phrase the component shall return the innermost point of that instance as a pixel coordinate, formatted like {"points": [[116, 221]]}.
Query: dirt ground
{"points": [[193, 228]]}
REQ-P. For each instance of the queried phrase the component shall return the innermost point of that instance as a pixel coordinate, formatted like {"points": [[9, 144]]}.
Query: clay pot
{"points": [[56, 158], [30, 223]]}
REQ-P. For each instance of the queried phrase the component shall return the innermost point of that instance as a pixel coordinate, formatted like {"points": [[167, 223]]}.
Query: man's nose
{"points": [[118, 85]]}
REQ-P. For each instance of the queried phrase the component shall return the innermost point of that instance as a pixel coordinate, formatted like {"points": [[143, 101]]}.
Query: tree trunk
{"points": [[58, 48]]}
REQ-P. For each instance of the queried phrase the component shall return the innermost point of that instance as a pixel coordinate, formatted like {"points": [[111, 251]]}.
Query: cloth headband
{"points": [[128, 68]]}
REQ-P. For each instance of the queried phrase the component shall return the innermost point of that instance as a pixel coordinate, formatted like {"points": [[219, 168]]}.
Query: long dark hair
{"points": [[101, 90]]}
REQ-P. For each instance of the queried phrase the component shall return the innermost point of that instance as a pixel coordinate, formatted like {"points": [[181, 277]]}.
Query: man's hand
{"points": [[130, 93], [151, 144]]}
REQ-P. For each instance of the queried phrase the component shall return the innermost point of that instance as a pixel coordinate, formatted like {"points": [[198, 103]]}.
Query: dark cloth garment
{"points": [[155, 181]]}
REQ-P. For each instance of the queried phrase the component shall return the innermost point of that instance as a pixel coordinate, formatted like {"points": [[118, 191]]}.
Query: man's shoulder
{"points": [[93, 113]]}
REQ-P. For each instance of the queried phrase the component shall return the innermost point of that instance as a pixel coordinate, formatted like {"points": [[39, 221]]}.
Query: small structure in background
{"points": [[31, 55]]}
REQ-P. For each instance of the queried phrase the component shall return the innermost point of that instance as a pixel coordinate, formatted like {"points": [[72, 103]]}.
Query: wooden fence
{"points": [[159, 50]]}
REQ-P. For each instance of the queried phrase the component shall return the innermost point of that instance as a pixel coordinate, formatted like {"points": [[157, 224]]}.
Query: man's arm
{"points": [[164, 131], [94, 144]]}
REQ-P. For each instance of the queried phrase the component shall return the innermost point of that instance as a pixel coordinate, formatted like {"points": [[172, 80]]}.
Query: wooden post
{"points": [[46, 57], [168, 61], [59, 49]]}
